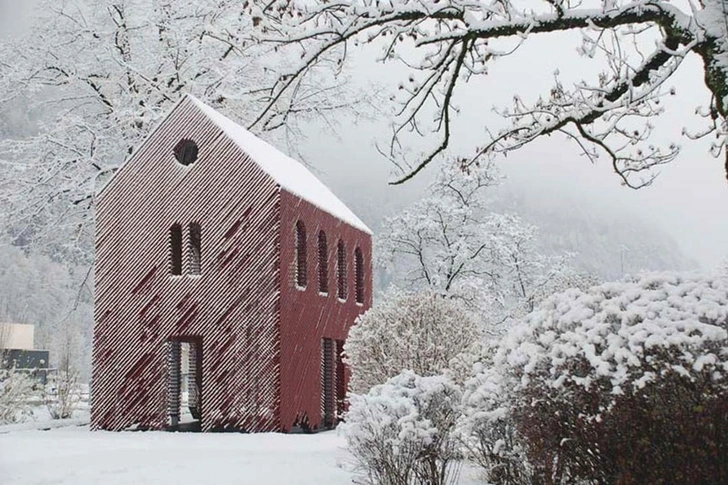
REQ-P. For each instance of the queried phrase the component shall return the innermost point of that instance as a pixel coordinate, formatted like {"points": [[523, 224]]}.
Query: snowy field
{"points": [[76, 456]]}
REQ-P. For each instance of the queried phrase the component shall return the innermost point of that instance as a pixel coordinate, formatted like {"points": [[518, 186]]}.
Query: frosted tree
{"points": [[418, 331], [639, 44], [439, 241], [451, 243], [62, 393], [99, 80]]}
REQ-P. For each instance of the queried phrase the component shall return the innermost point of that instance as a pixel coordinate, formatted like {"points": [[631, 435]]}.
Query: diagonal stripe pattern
{"points": [[260, 334]]}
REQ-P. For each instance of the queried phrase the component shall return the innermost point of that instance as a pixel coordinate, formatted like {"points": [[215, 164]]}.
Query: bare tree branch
{"points": [[604, 112]]}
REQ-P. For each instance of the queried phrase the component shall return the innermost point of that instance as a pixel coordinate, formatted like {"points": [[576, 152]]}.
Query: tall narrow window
{"points": [[194, 245], [175, 249], [359, 273], [341, 270], [300, 254], [328, 384], [323, 263]]}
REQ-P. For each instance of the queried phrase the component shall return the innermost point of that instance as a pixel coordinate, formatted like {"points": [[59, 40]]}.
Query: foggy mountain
{"points": [[607, 242]]}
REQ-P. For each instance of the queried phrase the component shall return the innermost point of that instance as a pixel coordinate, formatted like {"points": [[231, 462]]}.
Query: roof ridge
{"points": [[288, 172]]}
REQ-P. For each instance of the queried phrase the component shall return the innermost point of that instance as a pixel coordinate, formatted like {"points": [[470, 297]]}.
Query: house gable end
{"points": [[288, 173], [229, 300], [155, 156]]}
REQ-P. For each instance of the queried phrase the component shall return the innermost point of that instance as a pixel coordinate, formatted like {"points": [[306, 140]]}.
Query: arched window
{"points": [[186, 152], [300, 254], [341, 270], [359, 272], [194, 247], [175, 249], [323, 263]]}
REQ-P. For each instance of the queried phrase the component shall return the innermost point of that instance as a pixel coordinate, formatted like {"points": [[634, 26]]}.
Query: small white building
{"points": [[17, 336], [17, 349]]}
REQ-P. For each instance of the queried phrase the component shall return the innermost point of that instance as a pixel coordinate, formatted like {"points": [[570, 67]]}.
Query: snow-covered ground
{"points": [[77, 456]]}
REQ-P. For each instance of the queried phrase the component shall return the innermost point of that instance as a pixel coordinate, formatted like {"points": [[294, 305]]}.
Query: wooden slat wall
{"points": [[233, 306], [308, 315]]}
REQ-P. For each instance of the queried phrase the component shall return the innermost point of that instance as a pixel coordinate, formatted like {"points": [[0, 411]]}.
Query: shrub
{"points": [[420, 331], [488, 430], [625, 383], [403, 432], [62, 394], [17, 390]]}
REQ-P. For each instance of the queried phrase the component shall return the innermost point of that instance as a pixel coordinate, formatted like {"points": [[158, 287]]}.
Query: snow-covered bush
{"points": [[17, 390], [403, 432], [62, 393], [419, 331], [626, 382], [488, 431]]}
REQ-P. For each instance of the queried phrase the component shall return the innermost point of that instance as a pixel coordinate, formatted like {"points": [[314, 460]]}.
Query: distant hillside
{"points": [[608, 240]]}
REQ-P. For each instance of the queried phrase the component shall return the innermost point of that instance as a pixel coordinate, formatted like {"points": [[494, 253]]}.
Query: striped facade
{"points": [[257, 336]]}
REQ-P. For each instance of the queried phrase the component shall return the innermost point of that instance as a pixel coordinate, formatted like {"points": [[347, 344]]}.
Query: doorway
{"points": [[333, 384], [184, 384]]}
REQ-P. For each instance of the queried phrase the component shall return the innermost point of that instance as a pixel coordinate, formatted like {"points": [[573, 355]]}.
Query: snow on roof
{"points": [[290, 174]]}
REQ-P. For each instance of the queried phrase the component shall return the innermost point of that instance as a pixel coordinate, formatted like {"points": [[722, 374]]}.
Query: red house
{"points": [[226, 278]]}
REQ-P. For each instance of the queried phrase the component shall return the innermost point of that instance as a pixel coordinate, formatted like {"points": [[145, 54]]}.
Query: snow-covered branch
{"points": [[444, 42], [97, 82]]}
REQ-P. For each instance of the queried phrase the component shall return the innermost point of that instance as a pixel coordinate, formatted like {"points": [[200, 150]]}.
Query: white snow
{"points": [[290, 174], [80, 418], [626, 332], [78, 456]]}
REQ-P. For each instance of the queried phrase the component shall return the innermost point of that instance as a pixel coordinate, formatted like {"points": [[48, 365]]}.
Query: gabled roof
{"points": [[290, 174]]}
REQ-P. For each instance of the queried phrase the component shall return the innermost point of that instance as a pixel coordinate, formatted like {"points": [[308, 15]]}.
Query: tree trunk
{"points": [[714, 51]]}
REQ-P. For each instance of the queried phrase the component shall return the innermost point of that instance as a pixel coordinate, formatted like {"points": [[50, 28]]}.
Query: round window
{"points": [[186, 152]]}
